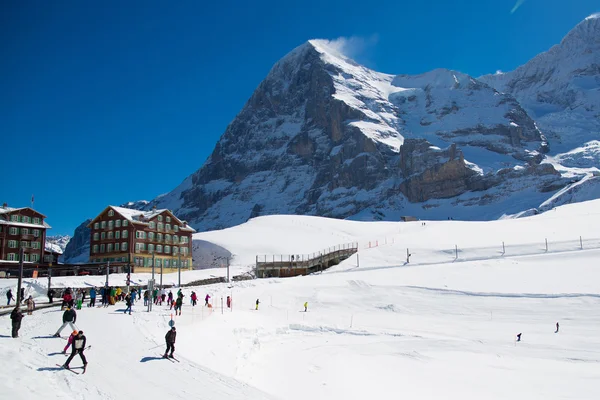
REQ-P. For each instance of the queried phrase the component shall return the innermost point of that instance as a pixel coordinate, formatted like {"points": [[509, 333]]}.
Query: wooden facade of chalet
{"points": [[22, 228], [121, 234]]}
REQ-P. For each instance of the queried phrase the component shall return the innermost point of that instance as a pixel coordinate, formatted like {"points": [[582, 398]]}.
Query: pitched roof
{"points": [[5, 210], [136, 216], [23, 224]]}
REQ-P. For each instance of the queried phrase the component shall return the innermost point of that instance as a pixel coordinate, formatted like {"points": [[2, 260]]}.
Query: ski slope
{"points": [[379, 329]]}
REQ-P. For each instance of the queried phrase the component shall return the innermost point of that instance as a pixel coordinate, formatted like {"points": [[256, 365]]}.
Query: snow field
{"points": [[380, 329]]}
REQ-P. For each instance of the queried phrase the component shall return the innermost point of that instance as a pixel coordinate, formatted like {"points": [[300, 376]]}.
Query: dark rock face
{"points": [[78, 248], [432, 173]]}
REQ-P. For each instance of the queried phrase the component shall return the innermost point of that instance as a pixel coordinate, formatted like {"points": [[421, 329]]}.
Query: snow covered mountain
{"points": [[560, 88], [322, 135], [57, 243]]}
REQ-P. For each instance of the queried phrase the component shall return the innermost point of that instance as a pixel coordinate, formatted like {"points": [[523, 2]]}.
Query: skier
{"points": [[194, 298], [30, 305], [69, 318], [228, 301], [519, 337], [305, 306], [103, 295], [146, 297], [79, 298], [77, 347], [22, 295], [557, 326], [16, 316], [118, 292], [9, 297], [257, 303], [92, 297], [51, 294], [133, 296], [70, 341], [128, 302], [112, 299], [155, 296], [170, 339], [170, 296], [206, 300], [163, 295], [178, 304], [66, 300]]}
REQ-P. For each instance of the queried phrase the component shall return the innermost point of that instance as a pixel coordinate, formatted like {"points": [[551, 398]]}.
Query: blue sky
{"points": [[108, 102]]}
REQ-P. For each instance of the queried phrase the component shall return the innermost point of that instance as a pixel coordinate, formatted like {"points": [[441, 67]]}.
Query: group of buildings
{"points": [[132, 239]]}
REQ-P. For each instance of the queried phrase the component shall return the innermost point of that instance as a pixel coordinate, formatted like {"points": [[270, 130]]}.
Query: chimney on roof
{"points": [[5, 205]]}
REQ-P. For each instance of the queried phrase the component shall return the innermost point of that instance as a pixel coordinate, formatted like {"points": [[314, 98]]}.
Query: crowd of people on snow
{"points": [[74, 299]]}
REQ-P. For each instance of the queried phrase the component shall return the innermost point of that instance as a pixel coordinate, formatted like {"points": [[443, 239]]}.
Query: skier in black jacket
{"points": [[69, 318], [128, 302], [16, 316], [77, 347], [170, 338]]}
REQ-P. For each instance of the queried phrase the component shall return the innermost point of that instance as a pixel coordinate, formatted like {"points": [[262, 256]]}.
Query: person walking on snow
{"points": [[557, 326], [257, 303], [305, 306], [92, 297], [170, 297], [163, 295], [77, 347], [206, 300], [194, 298], [9, 297], [51, 296], [178, 304], [70, 341], [30, 305], [170, 339], [128, 303], [519, 337], [79, 298], [69, 318], [16, 316], [228, 301]]}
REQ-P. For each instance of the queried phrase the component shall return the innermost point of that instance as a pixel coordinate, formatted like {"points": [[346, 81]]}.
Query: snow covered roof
{"points": [[5, 210], [25, 225], [142, 217]]}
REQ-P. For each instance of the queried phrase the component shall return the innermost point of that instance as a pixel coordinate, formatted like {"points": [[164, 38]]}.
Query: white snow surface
{"points": [[377, 328]]}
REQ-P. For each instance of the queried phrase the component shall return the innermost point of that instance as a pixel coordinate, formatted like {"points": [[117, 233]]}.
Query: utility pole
{"points": [[153, 265], [227, 269], [50, 277], [21, 255], [107, 272], [179, 271], [161, 273]]}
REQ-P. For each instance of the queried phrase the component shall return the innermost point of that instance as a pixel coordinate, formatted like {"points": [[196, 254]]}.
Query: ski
{"points": [[68, 369], [84, 367], [172, 359]]}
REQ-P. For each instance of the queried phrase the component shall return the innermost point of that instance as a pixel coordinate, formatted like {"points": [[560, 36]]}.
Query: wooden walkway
{"points": [[303, 264]]}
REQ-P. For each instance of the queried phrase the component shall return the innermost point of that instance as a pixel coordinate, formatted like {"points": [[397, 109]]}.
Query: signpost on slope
{"points": [[150, 291]]}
